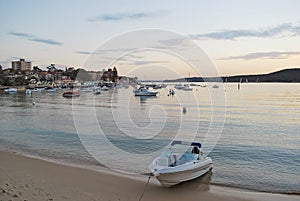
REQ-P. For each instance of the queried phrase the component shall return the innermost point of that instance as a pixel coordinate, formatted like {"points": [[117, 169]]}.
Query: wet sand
{"points": [[24, 178]]}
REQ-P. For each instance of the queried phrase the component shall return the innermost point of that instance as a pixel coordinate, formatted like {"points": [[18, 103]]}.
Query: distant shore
{"points": [[25, 178], [286, 76]]}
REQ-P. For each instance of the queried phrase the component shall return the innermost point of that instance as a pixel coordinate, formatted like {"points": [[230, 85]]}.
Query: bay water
{"points": [[258, 146]]}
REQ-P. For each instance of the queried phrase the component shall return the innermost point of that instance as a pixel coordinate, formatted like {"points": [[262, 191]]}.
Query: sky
{"points": [[238, 37]]}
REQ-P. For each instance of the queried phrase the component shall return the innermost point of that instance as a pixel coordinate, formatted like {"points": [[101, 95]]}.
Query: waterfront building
{"points": [[21, 65], [110, 75]]}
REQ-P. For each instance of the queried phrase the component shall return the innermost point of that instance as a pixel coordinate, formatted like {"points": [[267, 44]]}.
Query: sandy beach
{"points": [[25, 178]]}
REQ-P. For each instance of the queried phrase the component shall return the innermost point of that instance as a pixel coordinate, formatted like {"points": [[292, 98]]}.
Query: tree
{"points": [[20, 81], [36, 69], [82, 75]]}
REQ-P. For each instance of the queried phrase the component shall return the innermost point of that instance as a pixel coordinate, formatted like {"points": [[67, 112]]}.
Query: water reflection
{"points": [[144, 99]]}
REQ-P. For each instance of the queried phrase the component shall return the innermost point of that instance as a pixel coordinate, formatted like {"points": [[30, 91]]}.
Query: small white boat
{"points": [[86, 90], [164, 86], [36, 90], [157, 86], [11, 90], [215, 86], [194, 85], [51, 90], [28, 91], [105, 88], [143, 91], [172, 168], [187, 87], [178, 86], [97, 91]]}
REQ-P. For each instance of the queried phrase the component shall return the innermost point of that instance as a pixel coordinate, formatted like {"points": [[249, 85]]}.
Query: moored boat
{"points": [[36, 90], [50, 89], [187, 87], [97, 91], [143, 91], [10, 90], [178, 86], [86, 90], [172, 168], [104, 88], [70, 94], [28, 91], [215, 86]]}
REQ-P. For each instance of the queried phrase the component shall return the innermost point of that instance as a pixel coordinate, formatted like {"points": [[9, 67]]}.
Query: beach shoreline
{"points": [[27, 178]]}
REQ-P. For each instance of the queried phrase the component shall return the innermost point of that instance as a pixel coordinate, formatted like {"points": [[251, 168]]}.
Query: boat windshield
{"points": [[166, 153], [188, 156], [178, 148], [184, 153]]}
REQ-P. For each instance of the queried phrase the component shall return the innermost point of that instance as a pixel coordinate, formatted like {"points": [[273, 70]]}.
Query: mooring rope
{"points": [[145, 187]]}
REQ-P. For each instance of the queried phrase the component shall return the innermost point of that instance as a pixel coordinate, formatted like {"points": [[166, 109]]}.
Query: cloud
{"points": [[142, 63], [125, 16], [83, 52], [46, 41], [263, 55], [21, 35], [286, 29], [33, 38], [180, 41]]}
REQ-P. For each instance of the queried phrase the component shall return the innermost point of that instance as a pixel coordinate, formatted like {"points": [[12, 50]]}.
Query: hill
{"points": [[286, 75]]}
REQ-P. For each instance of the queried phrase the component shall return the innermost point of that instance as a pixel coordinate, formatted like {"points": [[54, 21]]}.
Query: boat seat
{"points": [[188, 156]]}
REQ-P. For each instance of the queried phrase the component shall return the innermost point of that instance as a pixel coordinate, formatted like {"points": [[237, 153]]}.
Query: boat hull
{"points": [[187, 89], [145, 94], [11, 91], [171, 176], [71, 94]]}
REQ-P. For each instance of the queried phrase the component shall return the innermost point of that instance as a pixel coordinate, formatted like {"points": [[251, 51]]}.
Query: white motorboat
{"points": [[164, 85], [143, 91], [187, 87], [50, 90], [28, 91], [172, 167], [178, 86], [86, 90], [11, 90], [104, 88], [157, 86], [215, 86], [97, 91], [36, 90]]}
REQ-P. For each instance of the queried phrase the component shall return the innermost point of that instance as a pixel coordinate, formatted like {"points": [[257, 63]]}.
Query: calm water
{"points": [[259, 147]]}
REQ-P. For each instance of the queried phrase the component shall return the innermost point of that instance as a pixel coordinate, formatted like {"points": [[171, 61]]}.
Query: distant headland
{"points": [[286, 75]]}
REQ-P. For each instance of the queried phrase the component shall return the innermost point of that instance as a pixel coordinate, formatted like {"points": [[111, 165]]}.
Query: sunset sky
{"points": [[240, 37]]}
